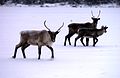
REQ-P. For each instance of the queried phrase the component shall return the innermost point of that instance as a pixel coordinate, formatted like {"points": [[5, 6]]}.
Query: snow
{"points": [[102, 61]]}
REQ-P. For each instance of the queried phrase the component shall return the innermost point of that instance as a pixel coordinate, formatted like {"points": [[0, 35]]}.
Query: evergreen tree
{"points": [[71, 2]]}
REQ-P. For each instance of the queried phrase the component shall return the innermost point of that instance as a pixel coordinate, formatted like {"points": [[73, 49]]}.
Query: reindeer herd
{"points": [[46, 38]]}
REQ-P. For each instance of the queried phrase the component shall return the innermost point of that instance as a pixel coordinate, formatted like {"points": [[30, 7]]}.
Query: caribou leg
{"points": [[51, 51], [17, 46], [87, 41], [23, 49], [68, 37], [39, 52], [95, 40], [76, 40], [82, 41]]}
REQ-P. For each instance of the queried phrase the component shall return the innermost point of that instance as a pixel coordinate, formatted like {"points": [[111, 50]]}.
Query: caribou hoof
{"points": [[52, 57], [13, 57]]}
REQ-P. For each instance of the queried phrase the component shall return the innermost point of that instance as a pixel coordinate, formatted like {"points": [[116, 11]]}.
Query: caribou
{"points": [[90, 33], [73, 28], [38, 38]]}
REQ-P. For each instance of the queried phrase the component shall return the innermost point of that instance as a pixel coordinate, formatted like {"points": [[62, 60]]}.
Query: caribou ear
{"points": [[106, 27], [57, 32], [98, 18], [92, 17]]}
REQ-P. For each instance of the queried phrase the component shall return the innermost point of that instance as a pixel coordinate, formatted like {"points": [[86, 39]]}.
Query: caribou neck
{"points": [[100, 32]]}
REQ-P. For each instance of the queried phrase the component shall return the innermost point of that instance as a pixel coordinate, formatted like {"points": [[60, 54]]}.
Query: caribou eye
{"points": [[53, 40]]}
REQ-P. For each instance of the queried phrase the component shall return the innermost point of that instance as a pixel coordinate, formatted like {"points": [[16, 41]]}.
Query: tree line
{"points": [[71, 2]]}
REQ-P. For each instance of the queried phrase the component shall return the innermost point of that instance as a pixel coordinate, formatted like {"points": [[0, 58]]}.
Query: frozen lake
{"points": [[102, 61]]}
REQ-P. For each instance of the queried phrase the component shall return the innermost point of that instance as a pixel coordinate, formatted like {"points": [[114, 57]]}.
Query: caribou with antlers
{"points": [[73, 28], [39, 38]]}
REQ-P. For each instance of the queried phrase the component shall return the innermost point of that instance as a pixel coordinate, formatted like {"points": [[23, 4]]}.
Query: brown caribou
{"points": [[39, 38]]}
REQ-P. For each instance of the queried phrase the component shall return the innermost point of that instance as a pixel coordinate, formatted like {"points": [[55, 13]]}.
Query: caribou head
{"points": [[53, 34], [104, 28], [95, 19]]}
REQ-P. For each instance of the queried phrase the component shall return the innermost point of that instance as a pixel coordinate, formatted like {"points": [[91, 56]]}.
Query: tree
{"points": [[2, 2]]}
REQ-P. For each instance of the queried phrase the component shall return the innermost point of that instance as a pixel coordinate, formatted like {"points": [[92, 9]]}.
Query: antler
{"points": [[99, 13], [45, 25], [92, 13], [60, 27], [49, 29]]}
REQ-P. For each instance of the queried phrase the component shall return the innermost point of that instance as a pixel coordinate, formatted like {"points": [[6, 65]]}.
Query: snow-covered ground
{"points": [[102, 61]]}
